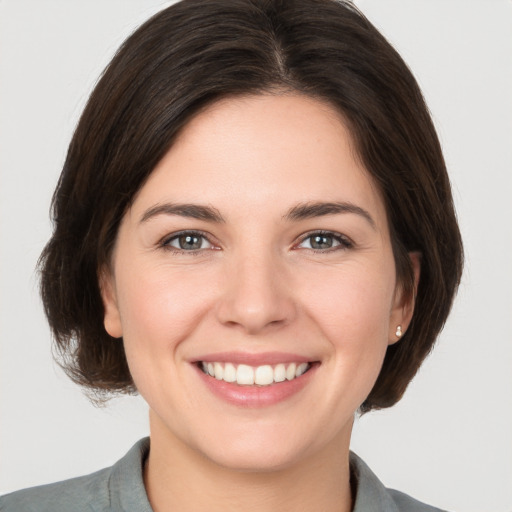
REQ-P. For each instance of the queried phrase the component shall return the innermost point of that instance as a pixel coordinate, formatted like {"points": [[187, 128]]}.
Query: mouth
{"points": [[246, 375], [248, 380]]}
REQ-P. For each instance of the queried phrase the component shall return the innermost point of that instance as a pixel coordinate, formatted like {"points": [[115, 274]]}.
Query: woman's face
{"points": [[257, 250]]}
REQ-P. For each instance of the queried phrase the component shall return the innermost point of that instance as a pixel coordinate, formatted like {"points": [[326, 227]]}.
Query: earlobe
{"points": [[112, 318], [403, 307]]}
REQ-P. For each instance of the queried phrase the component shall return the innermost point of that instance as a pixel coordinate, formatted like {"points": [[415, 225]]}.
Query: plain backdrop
{"points": [[449, 441]]}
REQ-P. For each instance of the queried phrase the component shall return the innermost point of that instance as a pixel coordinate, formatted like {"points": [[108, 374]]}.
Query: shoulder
{"points": [[120, 487], [405, 503], [373, 496], [85, 493]]}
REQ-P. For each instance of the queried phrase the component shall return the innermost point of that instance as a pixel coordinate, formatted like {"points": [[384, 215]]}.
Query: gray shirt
{"points": [[120, 488]]}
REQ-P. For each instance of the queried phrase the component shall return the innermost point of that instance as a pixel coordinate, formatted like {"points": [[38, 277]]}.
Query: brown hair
{"points": [[192, 54]]}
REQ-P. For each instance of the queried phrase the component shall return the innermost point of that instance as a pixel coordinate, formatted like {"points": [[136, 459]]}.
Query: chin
{"points": [[257, 457], [268, 446]]}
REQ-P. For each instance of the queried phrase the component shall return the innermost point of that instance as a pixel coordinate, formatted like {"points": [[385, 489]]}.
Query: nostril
{"points": [[255, 316]]}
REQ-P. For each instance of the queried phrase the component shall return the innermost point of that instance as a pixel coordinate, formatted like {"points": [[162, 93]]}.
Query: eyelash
{"points": [[343, 241], [165, 242]]}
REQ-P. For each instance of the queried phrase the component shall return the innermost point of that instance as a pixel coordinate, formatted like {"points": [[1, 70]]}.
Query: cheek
{"points": [[353, 312], [352, 300], [159, 307], [352, 307]]}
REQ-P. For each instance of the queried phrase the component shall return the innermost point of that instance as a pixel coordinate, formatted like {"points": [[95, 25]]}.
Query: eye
{"points": [[188, 241], [325, 241]]}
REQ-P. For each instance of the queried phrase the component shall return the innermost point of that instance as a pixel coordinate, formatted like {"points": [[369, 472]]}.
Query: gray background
{"points": [[449, 441]]}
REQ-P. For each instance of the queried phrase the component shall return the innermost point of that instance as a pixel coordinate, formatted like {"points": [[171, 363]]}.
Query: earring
{"points": [[398, 332]]}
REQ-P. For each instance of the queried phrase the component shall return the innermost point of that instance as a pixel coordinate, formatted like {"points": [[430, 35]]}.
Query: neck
{"points": [[178, 477]]}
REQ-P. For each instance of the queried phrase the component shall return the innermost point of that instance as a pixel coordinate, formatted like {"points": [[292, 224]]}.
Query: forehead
{"points": [[262, 153]]}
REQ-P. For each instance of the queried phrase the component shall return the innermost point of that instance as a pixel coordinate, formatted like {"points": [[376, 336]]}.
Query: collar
{"points": [[371, 495], [127, 491]]}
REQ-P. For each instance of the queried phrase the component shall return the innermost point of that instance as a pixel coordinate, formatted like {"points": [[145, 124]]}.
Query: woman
{"points": [[253, 229]]}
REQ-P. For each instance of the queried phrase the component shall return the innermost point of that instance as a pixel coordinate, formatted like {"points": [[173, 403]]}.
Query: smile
{"points": [[245, 375]]}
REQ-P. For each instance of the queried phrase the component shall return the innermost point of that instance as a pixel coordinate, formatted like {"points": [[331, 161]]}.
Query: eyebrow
{"points": [[318, 209], [299, 212], [192, 211]]}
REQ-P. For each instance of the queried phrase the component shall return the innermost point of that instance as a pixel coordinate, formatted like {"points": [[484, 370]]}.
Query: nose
{"points": [[256, 295]]}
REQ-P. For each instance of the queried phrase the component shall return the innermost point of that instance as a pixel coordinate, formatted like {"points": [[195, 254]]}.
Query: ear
{"points": [[403, 304], [112, 318]]}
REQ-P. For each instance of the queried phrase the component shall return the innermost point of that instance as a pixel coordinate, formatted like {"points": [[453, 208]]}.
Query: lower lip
{"points": [[256, 396]]}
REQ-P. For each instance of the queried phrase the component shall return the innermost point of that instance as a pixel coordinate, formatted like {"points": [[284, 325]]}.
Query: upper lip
{"points": [[250, 359]]}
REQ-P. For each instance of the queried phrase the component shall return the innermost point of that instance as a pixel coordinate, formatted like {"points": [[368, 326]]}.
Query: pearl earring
{"points": [[398, 332]]}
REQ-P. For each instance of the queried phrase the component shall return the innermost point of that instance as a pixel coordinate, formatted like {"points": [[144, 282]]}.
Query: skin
{"points": [[255, 286]]}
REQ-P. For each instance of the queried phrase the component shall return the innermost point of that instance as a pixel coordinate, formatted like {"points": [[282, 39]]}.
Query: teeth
{"points": [[264, 375], [280, 373], [219, 371], [290, 371], [298, 372], [245, 375], [229, 373]]}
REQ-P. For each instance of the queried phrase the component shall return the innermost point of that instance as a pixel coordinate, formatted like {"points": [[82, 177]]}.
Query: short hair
{"points": [[189, 56]]}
